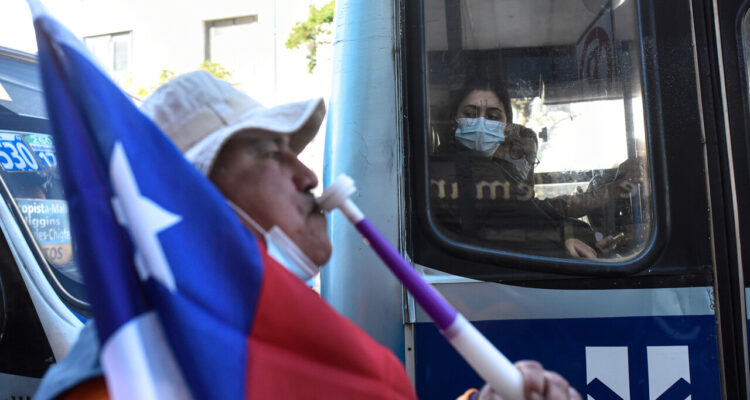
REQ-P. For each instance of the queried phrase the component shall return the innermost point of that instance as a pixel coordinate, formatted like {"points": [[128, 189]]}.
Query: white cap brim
{"points": [[300, 119]]}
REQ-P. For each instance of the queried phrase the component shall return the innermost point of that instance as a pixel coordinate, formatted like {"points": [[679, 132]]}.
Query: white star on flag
{"points": [[143, 218]]}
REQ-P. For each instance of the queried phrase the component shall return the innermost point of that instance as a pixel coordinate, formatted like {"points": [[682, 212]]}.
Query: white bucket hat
{"points": [[200, 113]]}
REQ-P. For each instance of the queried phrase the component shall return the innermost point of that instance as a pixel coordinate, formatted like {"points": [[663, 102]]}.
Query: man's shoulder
{"points": [[79, 365]]}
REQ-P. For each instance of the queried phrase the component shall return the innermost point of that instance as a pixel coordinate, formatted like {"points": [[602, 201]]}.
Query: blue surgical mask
{"points": [[521, 166], [480, 134]]}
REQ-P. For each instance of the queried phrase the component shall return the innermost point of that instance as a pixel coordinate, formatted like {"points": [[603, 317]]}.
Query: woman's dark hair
{"points": [[495, 85], [463, 72], [478, 70]]}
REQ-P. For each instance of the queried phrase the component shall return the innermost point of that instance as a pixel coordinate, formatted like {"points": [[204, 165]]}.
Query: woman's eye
{"points": [[469, 112]]}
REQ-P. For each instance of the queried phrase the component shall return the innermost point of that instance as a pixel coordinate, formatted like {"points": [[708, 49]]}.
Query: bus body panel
{"points": [[367, 148], [569, 329], [624, 356], [494, 301], [641, 341]]}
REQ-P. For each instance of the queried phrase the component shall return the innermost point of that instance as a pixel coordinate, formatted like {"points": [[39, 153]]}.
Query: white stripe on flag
{"points": [[138, 362]]}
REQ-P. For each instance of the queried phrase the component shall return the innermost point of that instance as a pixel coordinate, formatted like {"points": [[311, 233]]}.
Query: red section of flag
{"points": [[300, 348]]}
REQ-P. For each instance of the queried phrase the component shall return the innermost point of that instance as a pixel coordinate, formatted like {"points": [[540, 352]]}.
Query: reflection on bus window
{"points": [[537, 141], [28, 166], [746, 45]]}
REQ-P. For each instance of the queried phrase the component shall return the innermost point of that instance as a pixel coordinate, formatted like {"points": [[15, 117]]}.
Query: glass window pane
{"points": [[28, 166], [121, 51], [536, 139], [746, 45], [99, 47], [250, 63], [113, 53]]}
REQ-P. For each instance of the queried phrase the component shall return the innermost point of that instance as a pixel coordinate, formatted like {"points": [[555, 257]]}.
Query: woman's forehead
{"points": [[486, 98]]}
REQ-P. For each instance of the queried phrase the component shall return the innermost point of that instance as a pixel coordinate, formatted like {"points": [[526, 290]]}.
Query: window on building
{"points": [[113, 51], [235, 45]]}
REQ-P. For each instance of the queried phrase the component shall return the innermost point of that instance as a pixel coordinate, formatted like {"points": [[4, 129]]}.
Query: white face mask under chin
{"points": [[282, 248]]}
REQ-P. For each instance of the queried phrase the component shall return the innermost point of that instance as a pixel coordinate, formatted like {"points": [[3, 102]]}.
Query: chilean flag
{"points": [[187, 303]]}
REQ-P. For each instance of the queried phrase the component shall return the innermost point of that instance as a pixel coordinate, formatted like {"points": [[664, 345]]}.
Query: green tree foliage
{"points": [[307, 32], [166, 75], [216, 69]]}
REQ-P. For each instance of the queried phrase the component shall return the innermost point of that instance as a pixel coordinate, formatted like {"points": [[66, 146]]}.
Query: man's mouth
{"points": [[316, 209], [312, 206]]}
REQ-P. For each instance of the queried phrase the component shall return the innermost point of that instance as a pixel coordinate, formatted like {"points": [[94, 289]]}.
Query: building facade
{"points": [[141, 43]]}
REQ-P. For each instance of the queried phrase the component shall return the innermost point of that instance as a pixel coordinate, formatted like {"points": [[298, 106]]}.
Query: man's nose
{"points": [[304, 178]]}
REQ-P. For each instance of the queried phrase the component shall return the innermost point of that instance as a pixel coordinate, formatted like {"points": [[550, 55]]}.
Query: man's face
{"points": [[519, 146], [260, 173]]}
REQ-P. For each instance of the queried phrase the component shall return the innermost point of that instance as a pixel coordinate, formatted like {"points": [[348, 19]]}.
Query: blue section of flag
{"points": [[215, 262]]}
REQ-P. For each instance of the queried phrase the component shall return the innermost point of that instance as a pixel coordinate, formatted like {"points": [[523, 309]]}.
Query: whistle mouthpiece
{"points": [[336, 194]]}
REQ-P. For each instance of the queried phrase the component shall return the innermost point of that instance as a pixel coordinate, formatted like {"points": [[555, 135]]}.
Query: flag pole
{"points": [[486, 360]]}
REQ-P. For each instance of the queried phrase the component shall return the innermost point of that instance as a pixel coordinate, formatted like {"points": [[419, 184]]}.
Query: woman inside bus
{"points": [[482, 180]]}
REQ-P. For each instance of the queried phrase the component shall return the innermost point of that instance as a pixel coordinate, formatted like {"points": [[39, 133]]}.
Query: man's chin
{"points": [[319, 251], [318, 245]]}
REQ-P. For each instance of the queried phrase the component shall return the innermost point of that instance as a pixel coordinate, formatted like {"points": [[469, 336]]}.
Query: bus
{"points": [[42, 297], [638, 112]]}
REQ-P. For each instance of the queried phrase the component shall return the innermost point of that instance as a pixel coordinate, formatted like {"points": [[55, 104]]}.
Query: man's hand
{"points": [[632, 170], [578, 249], [538, 384]]}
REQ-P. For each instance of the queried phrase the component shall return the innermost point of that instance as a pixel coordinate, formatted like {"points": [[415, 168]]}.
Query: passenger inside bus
{"points": [[488, 165], [483, 181]]}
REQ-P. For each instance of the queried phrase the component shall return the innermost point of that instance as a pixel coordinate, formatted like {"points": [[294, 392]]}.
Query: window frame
{"points": [[743, 75], [33, 124], [221, 22], [121, 76], [54, 278], [427, 244]]}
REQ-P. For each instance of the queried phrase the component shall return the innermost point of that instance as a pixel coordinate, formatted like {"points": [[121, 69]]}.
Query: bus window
{"points": [[746, 45], [32, 185], [28, 167], [536, 142]]}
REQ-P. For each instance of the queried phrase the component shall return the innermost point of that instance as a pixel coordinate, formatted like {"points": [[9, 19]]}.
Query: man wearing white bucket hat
{"points": [[250, 153]]}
